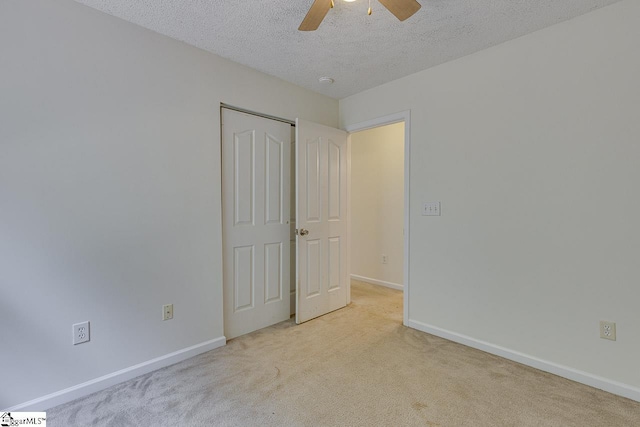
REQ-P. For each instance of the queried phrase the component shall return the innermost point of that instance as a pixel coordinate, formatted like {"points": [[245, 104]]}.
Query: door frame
{"points": [[405, 117]]}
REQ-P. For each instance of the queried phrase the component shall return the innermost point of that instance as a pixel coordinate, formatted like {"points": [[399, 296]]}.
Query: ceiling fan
{"points": [[402, 9]]}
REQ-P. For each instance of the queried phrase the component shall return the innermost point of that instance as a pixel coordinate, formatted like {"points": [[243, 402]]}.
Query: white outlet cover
{"points": [[608, 330], [81, 332], [167, 312]]}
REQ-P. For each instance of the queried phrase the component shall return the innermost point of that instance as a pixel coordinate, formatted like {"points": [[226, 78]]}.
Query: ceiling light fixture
{"points": [[326, 80], [402, 9]]}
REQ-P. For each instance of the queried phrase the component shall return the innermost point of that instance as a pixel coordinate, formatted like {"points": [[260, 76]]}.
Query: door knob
{"points": [[302, 232]]}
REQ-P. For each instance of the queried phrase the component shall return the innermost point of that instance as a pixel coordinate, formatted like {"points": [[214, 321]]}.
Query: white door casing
{"points": [[322, 275], [403, 116], [256, 183]]}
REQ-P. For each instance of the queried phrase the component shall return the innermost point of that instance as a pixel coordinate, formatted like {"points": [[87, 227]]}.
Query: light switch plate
{"points": [[431, 209]]}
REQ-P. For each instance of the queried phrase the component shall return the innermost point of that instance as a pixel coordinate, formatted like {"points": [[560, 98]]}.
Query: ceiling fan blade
{"points": [[402, 9], [316, 14]]}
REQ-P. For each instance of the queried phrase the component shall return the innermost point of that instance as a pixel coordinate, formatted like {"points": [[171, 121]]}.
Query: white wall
{"points": [[110, 190], [533, 149], [377, 203]]}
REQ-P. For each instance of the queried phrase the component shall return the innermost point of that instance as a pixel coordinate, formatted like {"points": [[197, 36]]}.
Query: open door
{"points": [[322, 276]]}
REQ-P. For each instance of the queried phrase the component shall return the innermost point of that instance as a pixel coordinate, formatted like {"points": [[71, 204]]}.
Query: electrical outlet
{"points": [[385, 259], [81, 333], [608, 330], [167, 312]]}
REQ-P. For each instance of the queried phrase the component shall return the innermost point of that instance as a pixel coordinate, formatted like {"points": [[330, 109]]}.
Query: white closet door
{"points": [[256, 185], [321, 215]]}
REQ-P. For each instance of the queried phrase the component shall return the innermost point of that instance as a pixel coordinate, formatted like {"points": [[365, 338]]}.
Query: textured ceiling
{"points": [[358, 51]]}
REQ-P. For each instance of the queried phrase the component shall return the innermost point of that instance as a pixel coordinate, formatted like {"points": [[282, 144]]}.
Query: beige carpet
{"points": [[354, 367]]}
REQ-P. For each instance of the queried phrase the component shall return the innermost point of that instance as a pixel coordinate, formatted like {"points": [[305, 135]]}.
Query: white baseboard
{"points": [[377, 282], [614, 387], [77, 391]]}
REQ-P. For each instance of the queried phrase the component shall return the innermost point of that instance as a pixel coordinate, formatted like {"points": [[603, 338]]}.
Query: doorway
{"points": [[377, 205], [403, 117]]}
